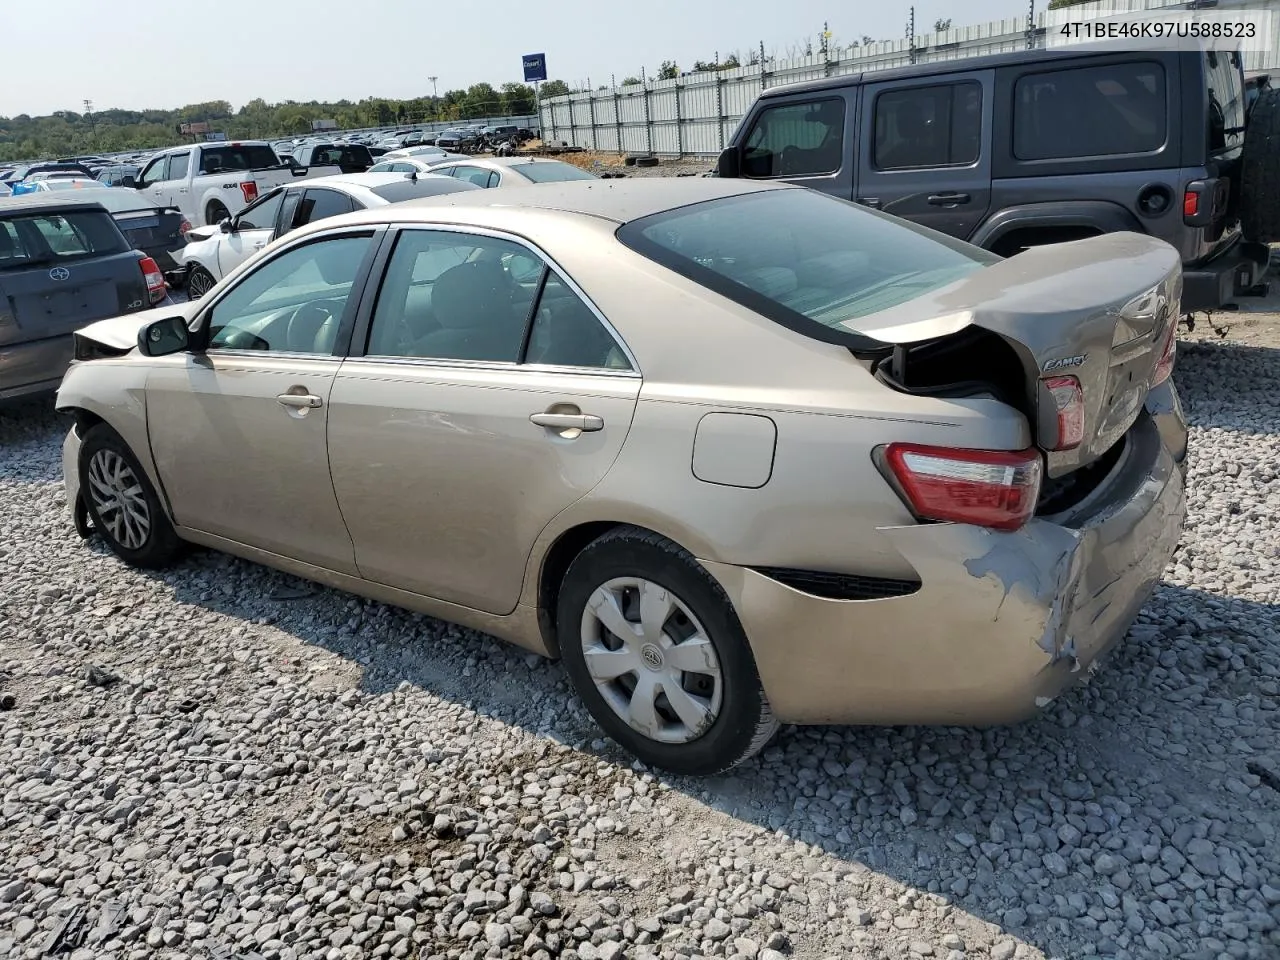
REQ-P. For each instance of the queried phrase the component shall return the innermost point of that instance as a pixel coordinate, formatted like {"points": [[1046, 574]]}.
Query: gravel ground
{"points": [[224, 762]]}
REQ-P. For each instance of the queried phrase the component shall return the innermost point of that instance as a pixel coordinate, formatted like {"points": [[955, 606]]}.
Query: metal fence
{"points": [[696, 114]]}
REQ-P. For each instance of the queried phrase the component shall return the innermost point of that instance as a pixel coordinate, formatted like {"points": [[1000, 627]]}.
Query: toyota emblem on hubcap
{"points": [[651, 656], [59, 273]]}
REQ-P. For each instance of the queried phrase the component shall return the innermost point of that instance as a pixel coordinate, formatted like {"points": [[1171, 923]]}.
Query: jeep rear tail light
{"points": [[156, 289], [1164, 366], [1068, 401], [988, 488], [250, 190]]}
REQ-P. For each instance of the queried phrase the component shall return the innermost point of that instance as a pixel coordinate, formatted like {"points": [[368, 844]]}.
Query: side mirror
{"points": [[129, 181], [163, 337], [227, 225], [730, 163]]}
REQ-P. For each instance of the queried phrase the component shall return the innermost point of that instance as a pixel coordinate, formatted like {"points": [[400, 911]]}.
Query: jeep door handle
{"points": [[948, 199], [586, 422]]}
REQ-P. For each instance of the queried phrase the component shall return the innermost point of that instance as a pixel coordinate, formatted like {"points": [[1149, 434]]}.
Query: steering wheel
{"points": [[306, 325]]}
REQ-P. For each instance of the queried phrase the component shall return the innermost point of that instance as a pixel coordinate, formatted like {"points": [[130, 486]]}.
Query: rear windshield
{"points": [[551, 171], [54, 238], [803, 259], [426, 185], [243, 157]]}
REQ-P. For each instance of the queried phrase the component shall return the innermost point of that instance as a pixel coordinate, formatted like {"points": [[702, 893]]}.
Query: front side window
{"points": [[939, 126], [154, 171], [262, 215], [803, 259], [796, 139], [292, 303], [1113, 110]]}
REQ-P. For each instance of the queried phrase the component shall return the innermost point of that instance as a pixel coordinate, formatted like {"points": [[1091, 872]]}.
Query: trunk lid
{"points": [[157, 233], [1100, 310]]}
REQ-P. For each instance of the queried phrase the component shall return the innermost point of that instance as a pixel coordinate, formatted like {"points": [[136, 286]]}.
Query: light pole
{"points": [[435, 98], [93, 125]]}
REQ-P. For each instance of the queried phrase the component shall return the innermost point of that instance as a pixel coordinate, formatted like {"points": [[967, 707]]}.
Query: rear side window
{"points": [[1225, 84], [796, 140], [1112, 110], [179, 164], [938, 126], [808, 261], [238, 158], [322, 204], [57, 238]]}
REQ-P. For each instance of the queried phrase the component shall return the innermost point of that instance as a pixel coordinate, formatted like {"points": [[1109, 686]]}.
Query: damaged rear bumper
{"points": [[1003, 621]]}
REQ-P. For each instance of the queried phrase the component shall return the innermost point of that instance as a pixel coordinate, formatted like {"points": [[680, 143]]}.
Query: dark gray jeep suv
{"points": [[1042, 146]]}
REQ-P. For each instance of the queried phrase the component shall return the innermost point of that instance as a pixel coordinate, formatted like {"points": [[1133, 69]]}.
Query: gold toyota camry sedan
{"points": [[740, 454]]}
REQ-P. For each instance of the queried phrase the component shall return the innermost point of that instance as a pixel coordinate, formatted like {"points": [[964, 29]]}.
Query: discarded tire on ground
{"points": [[1260, 171], [646, 161]]}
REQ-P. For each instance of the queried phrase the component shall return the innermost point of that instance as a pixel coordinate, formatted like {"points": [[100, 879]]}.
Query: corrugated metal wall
{"points": [[697, 114]]}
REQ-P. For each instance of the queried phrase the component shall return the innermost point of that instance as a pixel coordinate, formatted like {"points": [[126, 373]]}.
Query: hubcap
{"points": [[198, 286], [651, 660], [118, 499]]}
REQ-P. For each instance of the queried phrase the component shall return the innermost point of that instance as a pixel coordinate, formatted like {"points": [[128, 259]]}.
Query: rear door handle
{"points": [[299, 401], [586, 422], [948, 199], [872, 202]]}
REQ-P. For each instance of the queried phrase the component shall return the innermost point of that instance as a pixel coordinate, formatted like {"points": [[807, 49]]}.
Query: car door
{"points": [[176, 185], [238, 429], [452, 443], [251, 230], [925, 151], [153, 181]]}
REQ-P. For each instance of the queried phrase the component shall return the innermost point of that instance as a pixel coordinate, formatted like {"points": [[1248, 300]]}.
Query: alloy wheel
{"points": [[118, 499], [651, 660]]}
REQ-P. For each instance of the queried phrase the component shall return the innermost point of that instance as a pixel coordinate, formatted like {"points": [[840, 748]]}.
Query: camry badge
{"points": [[1062, 363]]}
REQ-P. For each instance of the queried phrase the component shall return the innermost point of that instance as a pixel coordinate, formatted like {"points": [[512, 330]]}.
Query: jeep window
{"points": [[937, 126], [1225, 83], [796, 140], [808, 261], [1112, 110]]}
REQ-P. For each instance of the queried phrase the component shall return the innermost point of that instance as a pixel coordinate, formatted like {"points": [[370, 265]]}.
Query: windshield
{"points": [[552, 171], [50, 238], [239, 157], [803, 259]]}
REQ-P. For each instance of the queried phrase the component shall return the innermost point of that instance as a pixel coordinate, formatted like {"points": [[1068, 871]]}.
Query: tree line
{"points": [[67, 133]]}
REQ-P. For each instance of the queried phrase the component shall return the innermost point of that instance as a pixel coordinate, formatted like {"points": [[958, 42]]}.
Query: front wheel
{"points": [[199, 282], [122, 503], [658, 656]]}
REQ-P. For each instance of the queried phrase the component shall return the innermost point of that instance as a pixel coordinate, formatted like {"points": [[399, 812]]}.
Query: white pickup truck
{"points": [[209, 182]]}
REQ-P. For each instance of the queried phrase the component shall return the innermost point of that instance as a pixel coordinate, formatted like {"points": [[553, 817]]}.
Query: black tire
{"points": [[646, 161], [215, 214], [1260, 171], [159, 545], [199, 282], [744, 724]]}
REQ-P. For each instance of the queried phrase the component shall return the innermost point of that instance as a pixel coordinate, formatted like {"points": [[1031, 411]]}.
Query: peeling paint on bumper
{"points": [[1002, 624]]}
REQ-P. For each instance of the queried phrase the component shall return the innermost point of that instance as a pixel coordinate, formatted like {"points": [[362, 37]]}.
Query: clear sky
{"points": [[142, 55]]}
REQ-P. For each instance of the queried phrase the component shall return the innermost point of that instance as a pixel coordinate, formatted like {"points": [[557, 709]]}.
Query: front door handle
{"points": [[948, 199], [586, 422], [299, 401]]}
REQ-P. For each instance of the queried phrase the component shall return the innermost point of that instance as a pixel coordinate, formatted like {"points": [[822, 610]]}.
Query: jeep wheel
{"points": [[1260, 171]]}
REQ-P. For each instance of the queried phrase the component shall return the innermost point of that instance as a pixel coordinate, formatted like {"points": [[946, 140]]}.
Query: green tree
{"points": [[629, 81], [555, 88], [518, 99], [668, 70], [941, 26], [1057, 4]]}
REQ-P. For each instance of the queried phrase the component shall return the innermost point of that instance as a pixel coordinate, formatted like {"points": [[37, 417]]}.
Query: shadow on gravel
{"points": [[1076, 832], [26, 426]]}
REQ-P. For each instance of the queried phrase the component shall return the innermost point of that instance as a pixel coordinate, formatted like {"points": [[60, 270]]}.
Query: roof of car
{"points": [[939, 67], [618, 201], [363, 180], [45, 201]]}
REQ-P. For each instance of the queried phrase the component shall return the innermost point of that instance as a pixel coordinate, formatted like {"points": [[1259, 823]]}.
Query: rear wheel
{"points": [[199, 282], [122, 503], [658, 656], [1260, 171]]}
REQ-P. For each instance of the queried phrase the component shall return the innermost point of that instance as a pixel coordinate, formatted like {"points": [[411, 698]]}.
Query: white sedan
{"points": [[434, 154], [416, 164], [511, 171], [213, 252]]}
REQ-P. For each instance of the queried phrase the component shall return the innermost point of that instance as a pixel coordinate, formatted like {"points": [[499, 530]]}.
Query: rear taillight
{"points": [[151, 272], [1068, 402], [250, 191], [989, 488], [1164, 367], [1190, 204], [185, 228]]}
